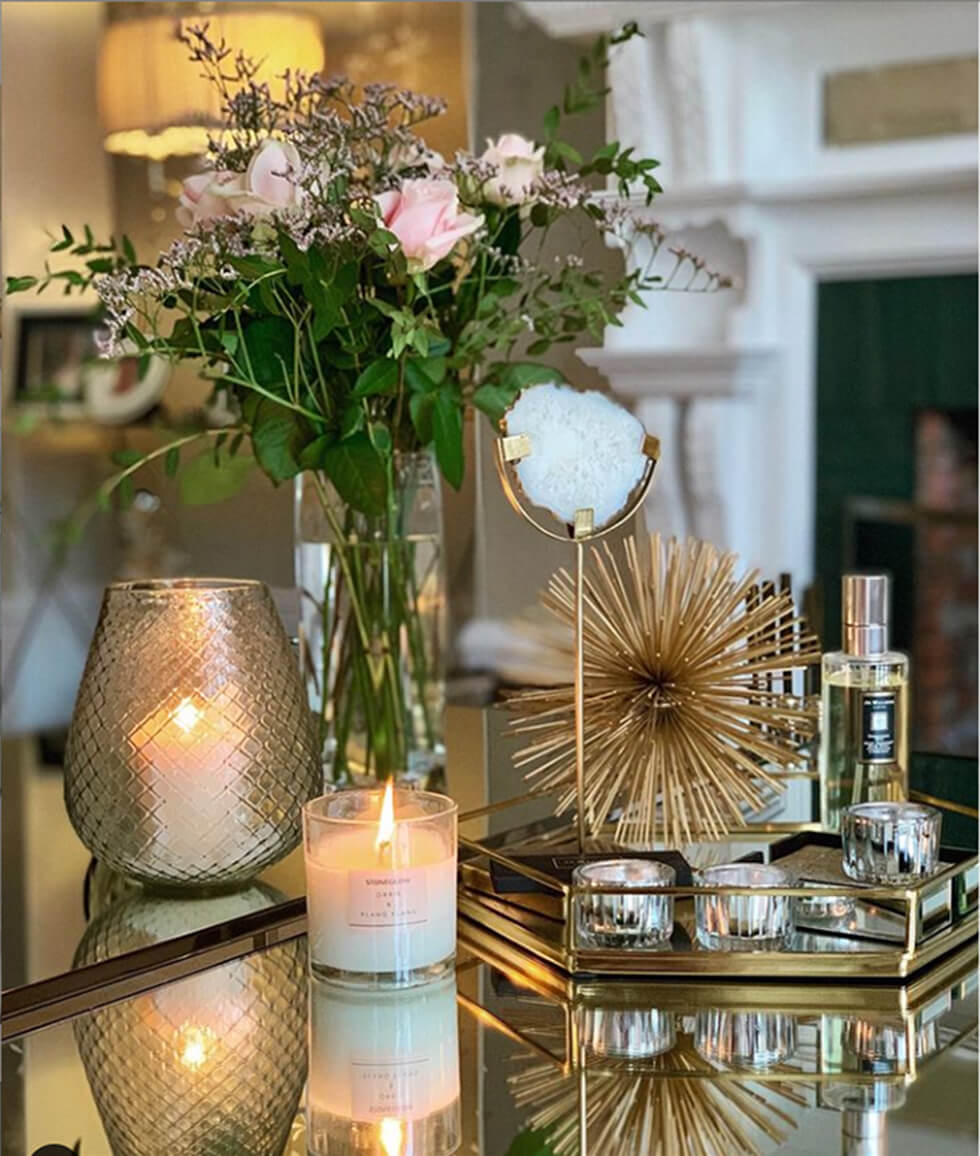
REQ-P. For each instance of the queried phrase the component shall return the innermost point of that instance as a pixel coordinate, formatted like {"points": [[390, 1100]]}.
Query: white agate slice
{"points": [[586, 451]]}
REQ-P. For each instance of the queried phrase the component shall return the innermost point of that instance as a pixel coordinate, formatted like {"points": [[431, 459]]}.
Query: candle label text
{"points": [[387, 899], [396, 1088]]}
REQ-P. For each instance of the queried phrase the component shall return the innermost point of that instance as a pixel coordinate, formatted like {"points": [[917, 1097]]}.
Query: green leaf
{"points": [[19, 284], [357, 471], [447, 429], [203, 481], [517, 375], [126, 458], [551, 119], [171, 461], [380, 376], [128, 251], [494, 400], [312, 456], [269, 344], [278, 437], [420, 406], [380, 437], [352, 419]]}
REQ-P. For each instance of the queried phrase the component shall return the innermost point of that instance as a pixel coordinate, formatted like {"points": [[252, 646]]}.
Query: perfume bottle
{"points": [[865, 704]]}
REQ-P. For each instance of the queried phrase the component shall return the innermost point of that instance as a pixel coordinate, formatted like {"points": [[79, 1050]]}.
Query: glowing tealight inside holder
{"points": [[381, 886], [890, 843], [624, 918], [729, 922]]}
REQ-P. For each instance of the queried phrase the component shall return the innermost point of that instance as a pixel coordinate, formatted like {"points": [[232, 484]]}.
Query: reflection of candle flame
{"points": [[186, 716], [386, 824], [392, 1131], [193, 1046]]}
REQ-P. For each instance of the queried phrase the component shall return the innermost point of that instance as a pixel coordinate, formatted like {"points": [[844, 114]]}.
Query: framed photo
{"points": [[59, 372]]}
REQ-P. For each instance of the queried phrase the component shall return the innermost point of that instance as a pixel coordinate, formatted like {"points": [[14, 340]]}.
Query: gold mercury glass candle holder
{"points": [[384, 1071], [381, 885], [192, 746]]}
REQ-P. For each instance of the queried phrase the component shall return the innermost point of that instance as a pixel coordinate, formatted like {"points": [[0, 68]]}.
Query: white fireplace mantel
{"points": [[728, 96]]}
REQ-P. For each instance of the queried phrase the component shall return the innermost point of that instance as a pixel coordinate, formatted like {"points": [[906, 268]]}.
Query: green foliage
{"points": [[214, 476], [357, 471]]}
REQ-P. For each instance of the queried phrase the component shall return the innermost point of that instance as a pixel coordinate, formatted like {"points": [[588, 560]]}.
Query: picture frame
{"points": [[59, 373]]}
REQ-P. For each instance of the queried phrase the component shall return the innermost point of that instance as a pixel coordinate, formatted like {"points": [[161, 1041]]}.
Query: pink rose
{"points": [[425, 217], [264, 186], [518, 163]]}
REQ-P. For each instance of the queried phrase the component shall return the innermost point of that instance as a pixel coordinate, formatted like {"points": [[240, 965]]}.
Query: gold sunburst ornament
{"points": [[686, 718]]}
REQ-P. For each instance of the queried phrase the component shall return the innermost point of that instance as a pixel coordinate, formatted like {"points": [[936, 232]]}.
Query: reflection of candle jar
{"points": [[191, 746], [626, 1033], [745, 1039], [212, 1063], [384, 1071]]}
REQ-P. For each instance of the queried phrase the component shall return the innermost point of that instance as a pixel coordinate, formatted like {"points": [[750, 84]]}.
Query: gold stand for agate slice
{"points": [[582, 532]]}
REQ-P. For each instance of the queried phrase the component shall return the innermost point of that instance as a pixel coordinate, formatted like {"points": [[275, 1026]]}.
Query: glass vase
{"points": [[373, 624]]}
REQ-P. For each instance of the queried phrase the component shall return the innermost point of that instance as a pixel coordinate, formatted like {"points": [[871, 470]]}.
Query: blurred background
{"points": [[820, 415]]}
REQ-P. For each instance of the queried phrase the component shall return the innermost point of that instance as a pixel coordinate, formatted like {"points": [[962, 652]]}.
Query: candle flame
{"points": [[392, 1134], [194, 1045], [186, 716], [386, 824]]}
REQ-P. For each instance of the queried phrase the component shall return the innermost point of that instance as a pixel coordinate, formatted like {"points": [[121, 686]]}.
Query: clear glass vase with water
{"points": [[373, 624]]}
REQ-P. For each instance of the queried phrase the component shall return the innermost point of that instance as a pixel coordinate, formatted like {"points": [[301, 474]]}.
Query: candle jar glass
{"points": [[743, 922], [381, 910], [384, 1071], [890, 843], [191, 747], [623, 919], [626, 1034]]}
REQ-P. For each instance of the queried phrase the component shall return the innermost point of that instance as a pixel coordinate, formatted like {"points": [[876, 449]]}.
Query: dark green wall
{"points": [[885, 349]]}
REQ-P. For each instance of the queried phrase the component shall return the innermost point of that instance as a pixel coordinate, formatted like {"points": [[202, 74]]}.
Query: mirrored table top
{"points": [[506, 1058]]}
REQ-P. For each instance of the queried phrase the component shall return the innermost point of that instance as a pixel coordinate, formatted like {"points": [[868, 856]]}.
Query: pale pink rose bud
{"points": [[425, 217]]}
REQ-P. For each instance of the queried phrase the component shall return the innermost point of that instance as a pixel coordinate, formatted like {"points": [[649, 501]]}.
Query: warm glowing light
{"points": [[392, 1131], [186, 716], [386, 824], [194, 1046], [153, 100]]}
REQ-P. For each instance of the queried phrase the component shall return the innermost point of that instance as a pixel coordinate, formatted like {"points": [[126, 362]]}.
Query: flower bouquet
{"points": [[354, 294]]}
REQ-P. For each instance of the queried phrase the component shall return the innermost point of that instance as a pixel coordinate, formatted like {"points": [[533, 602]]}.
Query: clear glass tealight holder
{"points": [[890, 843], [381, 886], [745, 1039], [727, 922], [624, 918]]}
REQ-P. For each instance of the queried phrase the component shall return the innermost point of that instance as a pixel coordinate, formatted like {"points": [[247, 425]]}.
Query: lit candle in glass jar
{"points": [[381, 885]]}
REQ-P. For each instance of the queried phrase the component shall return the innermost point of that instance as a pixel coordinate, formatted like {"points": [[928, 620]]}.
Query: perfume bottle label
{"points": [[878, 727]]}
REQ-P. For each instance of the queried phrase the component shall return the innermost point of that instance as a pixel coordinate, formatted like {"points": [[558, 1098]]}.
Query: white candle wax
{"points": [[391, 1055], [381, 906]]}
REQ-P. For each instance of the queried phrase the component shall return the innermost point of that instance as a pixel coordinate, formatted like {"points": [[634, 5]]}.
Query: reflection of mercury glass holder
{"points": [[583, 531], [384, 1071], [745, 1039], [625, 1033]]}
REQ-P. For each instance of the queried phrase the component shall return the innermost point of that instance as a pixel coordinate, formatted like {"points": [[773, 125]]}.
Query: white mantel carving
{"points": [[727, 95]]}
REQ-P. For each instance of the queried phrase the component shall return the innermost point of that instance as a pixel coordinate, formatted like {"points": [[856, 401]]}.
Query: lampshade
{"points": [[153, 100]]}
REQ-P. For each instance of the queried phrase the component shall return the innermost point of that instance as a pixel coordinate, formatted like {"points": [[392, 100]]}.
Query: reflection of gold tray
{"points": [[546, 1011], [898, 930]]}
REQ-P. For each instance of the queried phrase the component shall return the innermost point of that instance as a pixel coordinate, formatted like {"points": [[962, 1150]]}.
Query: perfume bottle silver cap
{"points": [[864, 599]]}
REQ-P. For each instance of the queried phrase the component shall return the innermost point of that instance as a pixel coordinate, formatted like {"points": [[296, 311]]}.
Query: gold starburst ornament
{"points": [[688, 722]]}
